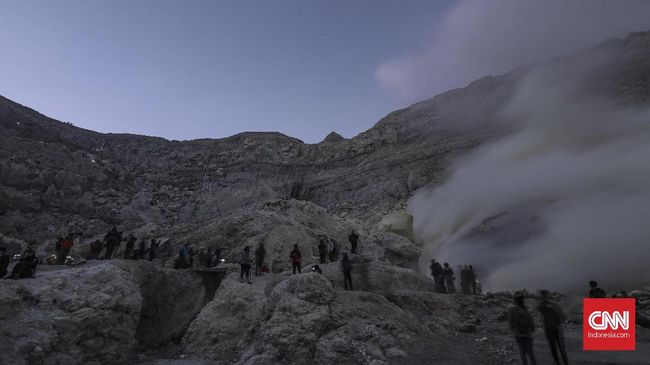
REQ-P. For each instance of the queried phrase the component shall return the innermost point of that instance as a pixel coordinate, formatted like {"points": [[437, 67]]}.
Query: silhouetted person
{"points": [[296, 258], [354, 241], [448, 274], [333, 250], [4, 262], [202, 257], [245, 264], [129, 247], [472, 277], [553, 317], [113, 239], [260, 252], [317, 269], [438, 276], [152, 249], [26, 266], [522, 326], [322, 251], [465, 280], [346, 267], [95, 249], [183, 260], [595, 291], [216, 260], [66, 246]]}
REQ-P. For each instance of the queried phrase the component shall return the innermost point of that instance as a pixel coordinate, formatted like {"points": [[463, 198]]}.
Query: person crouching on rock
{"points": [[346, 267], [66, 246], [26, 266], [245, 263], [296, 257]]}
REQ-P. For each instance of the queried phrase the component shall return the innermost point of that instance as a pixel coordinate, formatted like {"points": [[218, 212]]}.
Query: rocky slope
{"points": [[243, 190]]}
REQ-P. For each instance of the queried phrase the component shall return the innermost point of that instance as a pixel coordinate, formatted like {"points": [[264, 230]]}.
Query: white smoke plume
{"points": [[563, 199]]}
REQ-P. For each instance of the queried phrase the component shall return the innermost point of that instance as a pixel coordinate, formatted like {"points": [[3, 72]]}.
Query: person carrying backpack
{"points": [[448, 274], [522, 326], [438, 276], [553, 318], [296, 257]]}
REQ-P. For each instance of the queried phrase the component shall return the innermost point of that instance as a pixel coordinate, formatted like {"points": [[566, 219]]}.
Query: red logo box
{"points": [[608, 324]]}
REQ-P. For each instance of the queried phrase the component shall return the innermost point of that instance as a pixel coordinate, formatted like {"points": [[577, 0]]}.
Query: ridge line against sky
{"points": [[211, 69]]}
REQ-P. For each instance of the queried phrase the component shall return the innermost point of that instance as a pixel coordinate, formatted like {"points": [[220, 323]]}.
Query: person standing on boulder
{"points": [[522, 326], [354, 242], [346, 267], [4, 262], [322, 251], [296, 258], [553, 318], [245, 264], [128, 249], [438, 276], [448, 273], [113, 239], [66, 246], [260, 252]]}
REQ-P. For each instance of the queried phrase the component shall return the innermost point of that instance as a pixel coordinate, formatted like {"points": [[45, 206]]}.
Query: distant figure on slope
{"points": [[296, 258], [245, 264], [595, 291], [472, 278], [4, 262], [522, 326], [322, 251], [553, 318], [332, 249], [152, 249], [129, 247], [113, 239], [438, 276], [465, 279], [448, 274], [95, 249], [66, 246], [346, 267], [26, 266], [260, 252], [354, 241], [183, 261]]}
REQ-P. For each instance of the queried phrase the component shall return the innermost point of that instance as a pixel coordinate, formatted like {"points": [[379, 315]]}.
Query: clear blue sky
{"points": [[193, 69]]}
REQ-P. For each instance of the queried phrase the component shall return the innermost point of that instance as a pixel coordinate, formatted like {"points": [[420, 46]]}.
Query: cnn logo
{"points": [[608, 324], [601, 320]]}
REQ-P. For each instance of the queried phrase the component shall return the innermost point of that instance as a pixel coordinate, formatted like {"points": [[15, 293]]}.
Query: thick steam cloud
{"points": [[563, 199]]}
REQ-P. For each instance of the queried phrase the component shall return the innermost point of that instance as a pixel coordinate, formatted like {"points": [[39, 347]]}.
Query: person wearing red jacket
{"points": [[66, 246], [296, 257]]}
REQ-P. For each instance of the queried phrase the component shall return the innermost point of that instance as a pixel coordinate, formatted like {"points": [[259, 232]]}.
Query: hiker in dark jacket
{"points": [[153, 248], [346, 267], [4, 262], [354, 241], [448, 274], [438, 276], [245, 265], [113, 239], [66, 246], [322, 251], [553, 318], [26, 266], [522, 326], [595, 291], [260, 252], [95, 249], [129, 247], [296, 258]]}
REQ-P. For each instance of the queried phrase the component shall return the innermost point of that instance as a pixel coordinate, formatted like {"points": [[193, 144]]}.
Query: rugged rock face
{"points": [[256, 188], [101, 312]]}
